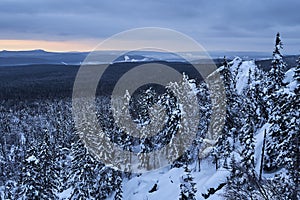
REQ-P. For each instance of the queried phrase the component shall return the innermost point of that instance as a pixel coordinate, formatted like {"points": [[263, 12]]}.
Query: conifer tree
{"points": [[32, 181], [241, 183], [235, 180], [49, 168], [276, 74], [2, 165], [225, 142], [119, 192], [283, 144], [188, 186], [297, 77], [258, 86], [248, 145], [82, 175], [297, 71]]}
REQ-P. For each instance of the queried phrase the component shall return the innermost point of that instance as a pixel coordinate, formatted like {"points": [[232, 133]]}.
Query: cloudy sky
{"points": [[235, 25]]}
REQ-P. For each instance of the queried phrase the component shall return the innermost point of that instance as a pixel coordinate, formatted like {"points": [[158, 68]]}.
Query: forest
{"points": [[42, 155]]}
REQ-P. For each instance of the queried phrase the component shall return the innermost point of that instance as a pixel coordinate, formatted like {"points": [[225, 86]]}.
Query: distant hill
{"points": [[17, 58], [41, 57]]}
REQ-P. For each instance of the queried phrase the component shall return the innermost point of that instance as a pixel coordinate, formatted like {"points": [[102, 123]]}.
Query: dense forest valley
{"points": [[255, 156]]}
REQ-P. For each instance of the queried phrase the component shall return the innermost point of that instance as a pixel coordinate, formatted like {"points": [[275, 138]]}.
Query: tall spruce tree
{"points": [[119, 192], [32, 181], [297, 71], [260, 98], [276, 74], [82, 176], [283, 144], [235, 181], [49, 168], [226, 140], [188, 186], [248, 144]]}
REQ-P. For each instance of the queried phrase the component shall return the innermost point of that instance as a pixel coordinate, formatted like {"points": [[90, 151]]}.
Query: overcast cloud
{"points": [[224, 25]]}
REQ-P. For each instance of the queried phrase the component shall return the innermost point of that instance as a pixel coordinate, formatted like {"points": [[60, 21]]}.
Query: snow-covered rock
{"points": [[242, 69]]}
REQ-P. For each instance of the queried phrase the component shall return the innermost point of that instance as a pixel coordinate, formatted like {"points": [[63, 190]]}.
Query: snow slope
{"points": [[291, 83], [168, 183], [242, 69], [168, 180]]}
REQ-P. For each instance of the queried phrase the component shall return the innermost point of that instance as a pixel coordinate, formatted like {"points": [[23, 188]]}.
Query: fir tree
{"points": [[241, 183], [188, 186], [283, 145], [226, 74], [2, 165], [31, 181], [146, 120], [119, 192], [260, 98], [253, 107], [183, 117], [82, 172], [248, 145], [297, 71], [49, 170], [276, 74], [226, 140], [297, 77], [235, 181]]}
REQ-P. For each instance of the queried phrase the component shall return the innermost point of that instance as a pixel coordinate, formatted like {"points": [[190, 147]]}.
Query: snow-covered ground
{"points": [[168, 180], [168, 183]]}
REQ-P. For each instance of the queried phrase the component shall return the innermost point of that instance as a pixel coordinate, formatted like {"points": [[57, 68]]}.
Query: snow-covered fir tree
{"points": [[248, 144], [49, 168], [297, 71], [297, 76], [259, 97], [82, 174], [119, 192], [29, 177], [227, 138], [188, 186], [283, 146], [278, 66]]}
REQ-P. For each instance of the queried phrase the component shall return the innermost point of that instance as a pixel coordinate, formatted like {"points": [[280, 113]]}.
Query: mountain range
{"points": [[34, 57]]}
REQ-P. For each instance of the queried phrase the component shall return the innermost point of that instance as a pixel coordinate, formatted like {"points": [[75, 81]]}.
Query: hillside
{"points": [[254, 155]]}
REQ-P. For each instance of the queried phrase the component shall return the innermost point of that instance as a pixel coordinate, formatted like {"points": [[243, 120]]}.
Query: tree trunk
{"points": [[216, 160]]}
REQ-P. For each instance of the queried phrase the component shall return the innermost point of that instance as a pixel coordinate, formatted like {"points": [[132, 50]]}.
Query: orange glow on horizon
{"points": [[55, 46], [90, 45]]}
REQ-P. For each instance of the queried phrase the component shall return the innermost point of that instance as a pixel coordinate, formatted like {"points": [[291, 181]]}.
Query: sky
{"points": [[78, 25]]}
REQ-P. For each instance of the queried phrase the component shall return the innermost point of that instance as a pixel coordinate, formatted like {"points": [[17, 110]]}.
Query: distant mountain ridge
{"points": [[39, 56], [18, 58]]}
